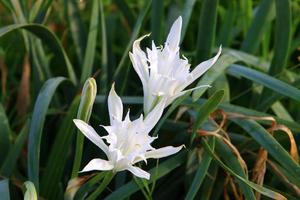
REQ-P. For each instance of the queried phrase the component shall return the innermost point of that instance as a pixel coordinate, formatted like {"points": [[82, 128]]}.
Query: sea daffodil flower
{"points": [[128, 141], [164, 74]]}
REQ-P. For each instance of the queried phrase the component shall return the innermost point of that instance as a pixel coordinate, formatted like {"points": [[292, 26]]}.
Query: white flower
{"points": [[128, 140], [162, 72]]}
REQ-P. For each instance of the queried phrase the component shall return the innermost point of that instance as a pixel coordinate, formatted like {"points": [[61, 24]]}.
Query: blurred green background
{"points": [[48, 48]]}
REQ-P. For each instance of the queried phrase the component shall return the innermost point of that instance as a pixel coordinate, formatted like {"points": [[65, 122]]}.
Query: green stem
{"points": [[107, 179]]}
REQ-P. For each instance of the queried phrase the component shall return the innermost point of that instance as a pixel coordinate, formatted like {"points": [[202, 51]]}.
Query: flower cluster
{"points": [[164, 76]]}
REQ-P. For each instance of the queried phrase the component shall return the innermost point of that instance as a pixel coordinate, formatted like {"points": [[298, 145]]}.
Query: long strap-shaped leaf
{"points": [[90, 49], [4, 190], [268, 142], [48, 37], [206, 29], [262, 190], [36, 127], [282, 41], [266, 80]]}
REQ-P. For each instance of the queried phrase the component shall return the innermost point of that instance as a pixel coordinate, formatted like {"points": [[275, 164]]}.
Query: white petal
{"points": [[115, 106], [139, 60], [91, 134], [98, 164], [173, 38], [204, 66], [163, 152], [138, 172], [170, 100], [154, 115]]}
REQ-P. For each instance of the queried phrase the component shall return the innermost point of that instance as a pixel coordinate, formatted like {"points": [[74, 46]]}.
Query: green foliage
{"points": [[44, 42]]}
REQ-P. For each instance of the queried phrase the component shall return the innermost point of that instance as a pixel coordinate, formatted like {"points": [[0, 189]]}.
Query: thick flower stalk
{"points": [[128, 141], [164, 74]]}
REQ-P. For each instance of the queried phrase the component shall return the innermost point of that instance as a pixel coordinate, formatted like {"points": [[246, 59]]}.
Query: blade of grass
{"points": [[186, 15], [36, 127], [282, 41], [201, 171], [14, 153], [77, 28], [90, 49], [265, 191], [57, 158], [156, 20], [209, 77], [104, 53], [267, 141], [257, 27], [5, 134], [134, 35], [48, 37], [206, 29], [265, 80]]}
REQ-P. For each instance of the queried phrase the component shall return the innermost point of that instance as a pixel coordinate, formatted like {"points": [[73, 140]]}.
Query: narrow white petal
{"points": [[204, 66], [163, 152], [154, 115], [98, 164], [115, 106], [173, 38], [91, 134], [138, 172], [171, 99]]}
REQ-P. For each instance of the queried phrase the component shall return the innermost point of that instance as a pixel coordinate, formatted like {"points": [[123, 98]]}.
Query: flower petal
{"points": [[159, 153], [138, 172], [139, 60], [98, 164], [115, 106], [163, 152], [171, 99], [91, 134], [173, 38], [204, 66]]}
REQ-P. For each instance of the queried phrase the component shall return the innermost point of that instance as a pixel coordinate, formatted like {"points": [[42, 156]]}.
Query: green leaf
{"points": [[258, 24], [266, 80], [104, 55], [282, 36], [30, 193], [201, 171], [90, 49], [162, 170], [156, 20], [57, 158], [36, 127], [77, 28], [265, 191], [206, 29], [213, 73], [134, 35], [282, 41], [186, 16], [206, 109], [48, 37], [5, 134], [4, 189], [268, 142], [14, 153]]}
